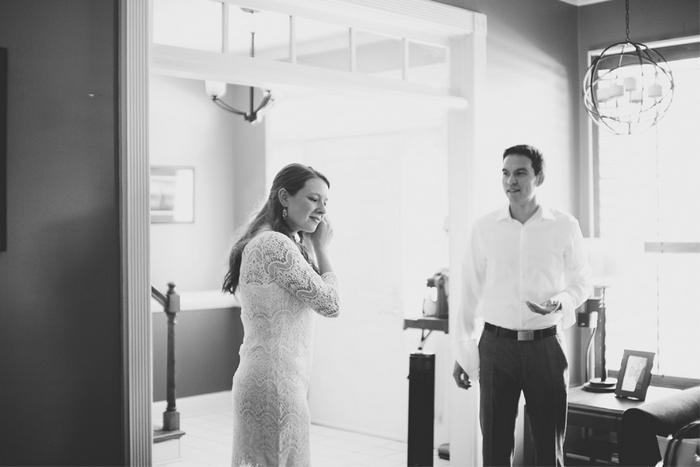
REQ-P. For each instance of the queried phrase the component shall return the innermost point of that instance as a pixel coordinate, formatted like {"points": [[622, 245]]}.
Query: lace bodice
{"points": [[280, 294]]}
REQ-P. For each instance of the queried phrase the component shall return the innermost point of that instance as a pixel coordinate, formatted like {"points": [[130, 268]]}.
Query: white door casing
{"points": [[462, 31]]}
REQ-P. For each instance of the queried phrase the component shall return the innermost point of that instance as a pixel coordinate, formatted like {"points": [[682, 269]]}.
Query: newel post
{"points": [[171, 417]]}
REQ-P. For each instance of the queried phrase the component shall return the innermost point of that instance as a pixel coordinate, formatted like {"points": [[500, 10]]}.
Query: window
{"points": [[648, 209]]}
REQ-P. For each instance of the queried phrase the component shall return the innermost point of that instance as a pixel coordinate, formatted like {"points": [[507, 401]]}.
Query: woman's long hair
{"points": [[292, 178]]}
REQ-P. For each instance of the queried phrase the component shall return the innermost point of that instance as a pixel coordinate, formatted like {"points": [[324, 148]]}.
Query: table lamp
{"points": [[595, 307]]}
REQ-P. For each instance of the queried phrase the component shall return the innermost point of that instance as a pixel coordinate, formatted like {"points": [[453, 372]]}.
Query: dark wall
{"points": [[61, 396], [602, 24], [206, 351]]}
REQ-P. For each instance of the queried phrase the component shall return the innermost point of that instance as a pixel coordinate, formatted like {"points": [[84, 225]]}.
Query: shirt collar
{"points": [[547, 213], [504, 213], [543, 213]]}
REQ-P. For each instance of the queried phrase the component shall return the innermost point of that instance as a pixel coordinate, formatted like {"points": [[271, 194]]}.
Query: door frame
{"points": [[468, 65], [134, 172]]}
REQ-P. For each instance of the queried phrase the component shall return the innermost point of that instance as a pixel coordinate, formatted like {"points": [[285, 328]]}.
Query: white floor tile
{"points": [[208, 438], [380, 451], [381, 462]]}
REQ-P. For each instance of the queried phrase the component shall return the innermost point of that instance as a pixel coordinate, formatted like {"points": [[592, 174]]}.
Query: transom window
{"points": [[221, 26]]}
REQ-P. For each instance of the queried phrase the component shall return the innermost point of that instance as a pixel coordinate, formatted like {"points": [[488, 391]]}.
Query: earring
{"points": [[284, 212]]}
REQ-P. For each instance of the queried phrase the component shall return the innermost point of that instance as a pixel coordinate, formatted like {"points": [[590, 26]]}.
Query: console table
{"points": [[600, 417]]}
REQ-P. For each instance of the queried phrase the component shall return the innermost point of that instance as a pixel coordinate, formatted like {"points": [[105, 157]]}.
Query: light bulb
{"points": [[616, 90], [215, 88], [655, 90], [630, 84]]}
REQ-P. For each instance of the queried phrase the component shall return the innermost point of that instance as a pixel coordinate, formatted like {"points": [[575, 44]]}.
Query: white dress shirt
{"points": [[507, 263]]}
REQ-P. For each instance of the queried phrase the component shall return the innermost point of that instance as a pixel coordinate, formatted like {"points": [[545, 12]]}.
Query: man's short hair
{"points": [[530, 152]]}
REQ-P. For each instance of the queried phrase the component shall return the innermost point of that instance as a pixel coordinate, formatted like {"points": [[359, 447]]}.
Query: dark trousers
{"points": [[540, 370]]}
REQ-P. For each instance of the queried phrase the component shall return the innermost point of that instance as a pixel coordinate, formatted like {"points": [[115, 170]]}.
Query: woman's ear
{"points": [[283, 196]]}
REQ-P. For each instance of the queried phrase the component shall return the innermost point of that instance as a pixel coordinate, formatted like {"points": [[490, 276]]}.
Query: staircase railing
{"points": [[171, 305]]}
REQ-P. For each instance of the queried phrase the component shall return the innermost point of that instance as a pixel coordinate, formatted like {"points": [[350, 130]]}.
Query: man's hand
{"points": [[461, 377], [550, 306]]}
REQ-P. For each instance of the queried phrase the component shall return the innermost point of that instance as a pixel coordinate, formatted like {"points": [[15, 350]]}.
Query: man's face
{"points": [[519, 180]]}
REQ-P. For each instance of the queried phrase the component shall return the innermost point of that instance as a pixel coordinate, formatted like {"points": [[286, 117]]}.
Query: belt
{"points": [[537, 334]]}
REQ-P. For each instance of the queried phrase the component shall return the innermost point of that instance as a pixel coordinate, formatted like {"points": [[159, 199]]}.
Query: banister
{"points": [[158, 295], [171, 306]]}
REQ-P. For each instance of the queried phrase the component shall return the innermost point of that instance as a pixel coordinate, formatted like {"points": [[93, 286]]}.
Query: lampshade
{"points": [[215, 88]]}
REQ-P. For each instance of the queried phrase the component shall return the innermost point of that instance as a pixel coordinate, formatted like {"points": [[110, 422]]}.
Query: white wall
{"points": [[187, 129], [532, 95], [387, 166]]}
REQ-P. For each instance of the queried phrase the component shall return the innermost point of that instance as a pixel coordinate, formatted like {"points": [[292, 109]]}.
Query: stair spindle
{"points": [[171, 417]]}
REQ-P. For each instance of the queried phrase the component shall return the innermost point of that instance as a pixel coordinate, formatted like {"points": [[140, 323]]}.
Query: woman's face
{"points": [[305, 210]]}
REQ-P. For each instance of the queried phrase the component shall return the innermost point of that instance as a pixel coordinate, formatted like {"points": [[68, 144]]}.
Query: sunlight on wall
{"points": [[647, 195], [387, 165], [186, 129]]}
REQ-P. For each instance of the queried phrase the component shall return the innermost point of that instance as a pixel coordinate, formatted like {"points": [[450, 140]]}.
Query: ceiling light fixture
{"points": [[217, 89], [629, 87]]}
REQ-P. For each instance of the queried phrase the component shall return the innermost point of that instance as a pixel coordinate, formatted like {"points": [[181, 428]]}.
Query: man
{"points": [[525, 272]]}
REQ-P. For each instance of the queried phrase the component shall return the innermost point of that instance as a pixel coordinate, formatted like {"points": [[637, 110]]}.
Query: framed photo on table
{"points": [[635, 374]]}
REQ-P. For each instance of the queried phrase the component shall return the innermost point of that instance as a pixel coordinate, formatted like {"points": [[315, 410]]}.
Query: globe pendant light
{"points": [[628, 88]]}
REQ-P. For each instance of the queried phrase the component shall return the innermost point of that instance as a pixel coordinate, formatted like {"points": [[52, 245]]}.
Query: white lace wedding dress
{"points": [[280, 294]]}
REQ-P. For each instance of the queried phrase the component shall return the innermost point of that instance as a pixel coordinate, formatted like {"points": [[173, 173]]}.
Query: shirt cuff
{"points": [[466, 353], [567, 310]]}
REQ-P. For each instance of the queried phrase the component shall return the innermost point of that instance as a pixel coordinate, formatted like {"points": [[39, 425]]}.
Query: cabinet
{"points": [[594, 421]]}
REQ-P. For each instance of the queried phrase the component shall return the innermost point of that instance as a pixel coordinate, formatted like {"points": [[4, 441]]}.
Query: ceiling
{"points": [[582, 2]]}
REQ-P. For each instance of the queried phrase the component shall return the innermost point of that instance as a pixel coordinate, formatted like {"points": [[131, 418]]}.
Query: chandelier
{"points": [[216, 89], [629, 87]]}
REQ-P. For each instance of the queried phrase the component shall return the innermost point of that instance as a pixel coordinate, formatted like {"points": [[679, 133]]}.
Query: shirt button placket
{"points": [[523, 267]]}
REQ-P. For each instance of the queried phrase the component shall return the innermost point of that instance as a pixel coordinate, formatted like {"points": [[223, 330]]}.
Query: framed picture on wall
{"points": [[172, 194], [635, 374], [3, 149]]}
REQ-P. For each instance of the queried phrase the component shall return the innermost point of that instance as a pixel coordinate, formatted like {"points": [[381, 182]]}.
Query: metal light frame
{"points": [[216, 90], [628, 88]]}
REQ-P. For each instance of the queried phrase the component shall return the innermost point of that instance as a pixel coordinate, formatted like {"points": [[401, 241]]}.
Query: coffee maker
{"points": [[435, 304]]}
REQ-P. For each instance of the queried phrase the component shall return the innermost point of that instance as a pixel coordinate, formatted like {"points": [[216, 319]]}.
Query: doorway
{"points": [[461, 31]]}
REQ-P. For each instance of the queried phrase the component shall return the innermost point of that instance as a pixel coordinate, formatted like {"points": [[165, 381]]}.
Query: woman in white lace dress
{"points": [[281, 289]]}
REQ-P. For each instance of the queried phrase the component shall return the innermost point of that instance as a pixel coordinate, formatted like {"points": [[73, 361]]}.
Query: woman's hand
{"points": [[321, 237], [318, 242]]}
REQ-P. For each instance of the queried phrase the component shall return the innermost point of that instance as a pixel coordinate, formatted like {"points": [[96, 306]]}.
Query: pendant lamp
{"points": [[216, 89], [629, 87]]}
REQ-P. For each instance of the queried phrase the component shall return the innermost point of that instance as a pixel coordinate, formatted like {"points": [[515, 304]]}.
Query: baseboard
{"points": [[193, 406], [166, 452]]}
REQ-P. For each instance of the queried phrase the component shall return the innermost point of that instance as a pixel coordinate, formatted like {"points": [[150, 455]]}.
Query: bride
{"points": [[281, 289]]}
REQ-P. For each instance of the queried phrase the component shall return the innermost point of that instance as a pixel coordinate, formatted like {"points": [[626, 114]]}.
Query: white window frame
{"points": [[593, 200]]}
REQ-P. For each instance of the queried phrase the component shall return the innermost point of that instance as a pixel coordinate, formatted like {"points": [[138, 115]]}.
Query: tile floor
{"points": [[207, 442]]}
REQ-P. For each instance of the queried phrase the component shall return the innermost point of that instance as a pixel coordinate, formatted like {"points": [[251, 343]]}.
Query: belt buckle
{"points": [[526, 335]]}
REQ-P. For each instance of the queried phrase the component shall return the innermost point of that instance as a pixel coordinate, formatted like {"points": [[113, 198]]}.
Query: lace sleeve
{"points": [[288, 268]]}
